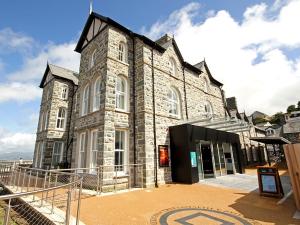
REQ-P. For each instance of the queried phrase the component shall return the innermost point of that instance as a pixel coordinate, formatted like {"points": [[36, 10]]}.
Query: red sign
{"points": [[163, 155]]}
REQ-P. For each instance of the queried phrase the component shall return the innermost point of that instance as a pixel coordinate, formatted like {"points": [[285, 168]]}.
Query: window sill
{"points": [[124, 63], [174, 117], [120, 175], [122, 111]]}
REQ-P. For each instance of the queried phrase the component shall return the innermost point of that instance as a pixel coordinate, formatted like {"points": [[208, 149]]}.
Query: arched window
{"points": [[85, 100], [121, 93], [122, 52], [61, 118], [93, 59], [206, 84], [173, 103], [208, 109], [172, 65], [97, 95]]}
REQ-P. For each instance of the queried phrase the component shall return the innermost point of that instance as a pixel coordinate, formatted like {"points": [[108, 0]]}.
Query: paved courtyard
{"points": [[244, 182], [209, 202]]}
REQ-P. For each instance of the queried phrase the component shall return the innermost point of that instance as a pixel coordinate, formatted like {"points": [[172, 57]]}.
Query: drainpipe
{"points": [[154, 121], [134, 109], [68, 130], [184, 90]]}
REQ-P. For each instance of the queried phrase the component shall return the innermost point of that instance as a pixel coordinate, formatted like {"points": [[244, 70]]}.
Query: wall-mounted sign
{"points": [[269, 181], [163, 155], [193, 159]]}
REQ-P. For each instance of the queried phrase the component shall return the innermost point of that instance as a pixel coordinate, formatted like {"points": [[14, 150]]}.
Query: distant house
{"points": [[291, 129]]}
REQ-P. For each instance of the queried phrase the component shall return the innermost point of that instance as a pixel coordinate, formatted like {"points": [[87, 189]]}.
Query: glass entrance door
{"points": [[207, 161]]}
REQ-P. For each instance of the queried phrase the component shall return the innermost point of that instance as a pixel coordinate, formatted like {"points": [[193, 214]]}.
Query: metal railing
{"points": [[39, 196], [109, 178]]}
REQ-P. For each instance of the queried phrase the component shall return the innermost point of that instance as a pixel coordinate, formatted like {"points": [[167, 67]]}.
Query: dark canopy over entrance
{"points": [[183, 140]]}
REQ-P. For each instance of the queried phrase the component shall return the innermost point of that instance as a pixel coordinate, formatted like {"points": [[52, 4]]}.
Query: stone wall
{"points": [[50, 104]]}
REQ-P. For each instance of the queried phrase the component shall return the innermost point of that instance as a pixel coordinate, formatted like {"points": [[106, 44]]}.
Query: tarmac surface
{"points": [[228, 200]]}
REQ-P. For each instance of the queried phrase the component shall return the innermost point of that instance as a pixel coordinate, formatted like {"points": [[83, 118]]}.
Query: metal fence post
{"points": [[68, 207], [79, 203], [19, 172], [7, 213], [23, 180], [53, 194], [29, 180], [35, 183], [98, 178], [44, 186]]}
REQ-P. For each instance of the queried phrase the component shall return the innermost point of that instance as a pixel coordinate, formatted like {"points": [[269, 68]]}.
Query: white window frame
{"points": [[173, 66], [64, 92], [93, 58], [62, 120], [59, 154], [85, 100], [173, 103], [97, 95], [122, 52], [118, 170], [120, 93], [94, 148], [81, 149]]}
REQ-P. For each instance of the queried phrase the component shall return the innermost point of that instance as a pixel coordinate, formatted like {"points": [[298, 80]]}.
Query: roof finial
{"points": [[91, 6], [204, 59]]}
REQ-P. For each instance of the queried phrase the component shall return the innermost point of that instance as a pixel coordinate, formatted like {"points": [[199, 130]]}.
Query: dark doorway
{"points": [[208, 168]]}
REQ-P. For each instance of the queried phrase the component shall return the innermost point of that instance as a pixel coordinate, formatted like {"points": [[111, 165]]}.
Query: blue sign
{"points": [[193, 159]]}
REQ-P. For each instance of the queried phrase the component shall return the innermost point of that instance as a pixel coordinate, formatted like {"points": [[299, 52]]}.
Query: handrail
{"points": [[17, 195]]}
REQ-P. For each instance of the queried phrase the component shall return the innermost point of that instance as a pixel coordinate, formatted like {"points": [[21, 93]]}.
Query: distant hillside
{"points": [[16, 155]]}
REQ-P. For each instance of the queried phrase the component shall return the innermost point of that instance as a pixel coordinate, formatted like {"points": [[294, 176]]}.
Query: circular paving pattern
{"points": [[198, 216]]}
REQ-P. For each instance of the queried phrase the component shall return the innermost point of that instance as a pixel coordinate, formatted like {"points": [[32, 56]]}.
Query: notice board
{"points": [[269, 181]]}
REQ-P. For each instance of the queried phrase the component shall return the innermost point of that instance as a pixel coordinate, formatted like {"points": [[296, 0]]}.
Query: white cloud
{"points": [[13, 41], [16, 142], [20, 92], [34, 67], [247, 56]]}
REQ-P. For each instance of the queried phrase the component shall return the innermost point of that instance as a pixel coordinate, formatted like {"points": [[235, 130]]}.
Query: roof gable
{"points": [[60, 72], [204, 65], [96, 23]]}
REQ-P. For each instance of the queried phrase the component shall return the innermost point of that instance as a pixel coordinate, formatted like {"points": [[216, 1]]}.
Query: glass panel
{"points": [[200, 168], [217, 159], [222, 159]]}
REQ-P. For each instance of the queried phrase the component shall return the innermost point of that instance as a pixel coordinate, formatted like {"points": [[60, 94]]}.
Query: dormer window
{"points": [[122, 52], [93, 59], [172, 65]]}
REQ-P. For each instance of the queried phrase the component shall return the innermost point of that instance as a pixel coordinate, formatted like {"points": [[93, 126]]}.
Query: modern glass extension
{"points": [[214, 159]]}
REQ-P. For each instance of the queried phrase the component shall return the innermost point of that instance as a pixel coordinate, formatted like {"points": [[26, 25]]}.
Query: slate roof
{"points": [[146, 40], [60, 72]]}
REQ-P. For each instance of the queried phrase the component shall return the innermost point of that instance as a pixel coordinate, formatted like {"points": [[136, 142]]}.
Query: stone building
{"points": [[118, 109]]}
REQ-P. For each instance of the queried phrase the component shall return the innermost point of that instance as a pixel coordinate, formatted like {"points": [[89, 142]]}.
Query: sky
{"points": [[251, 46]]}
